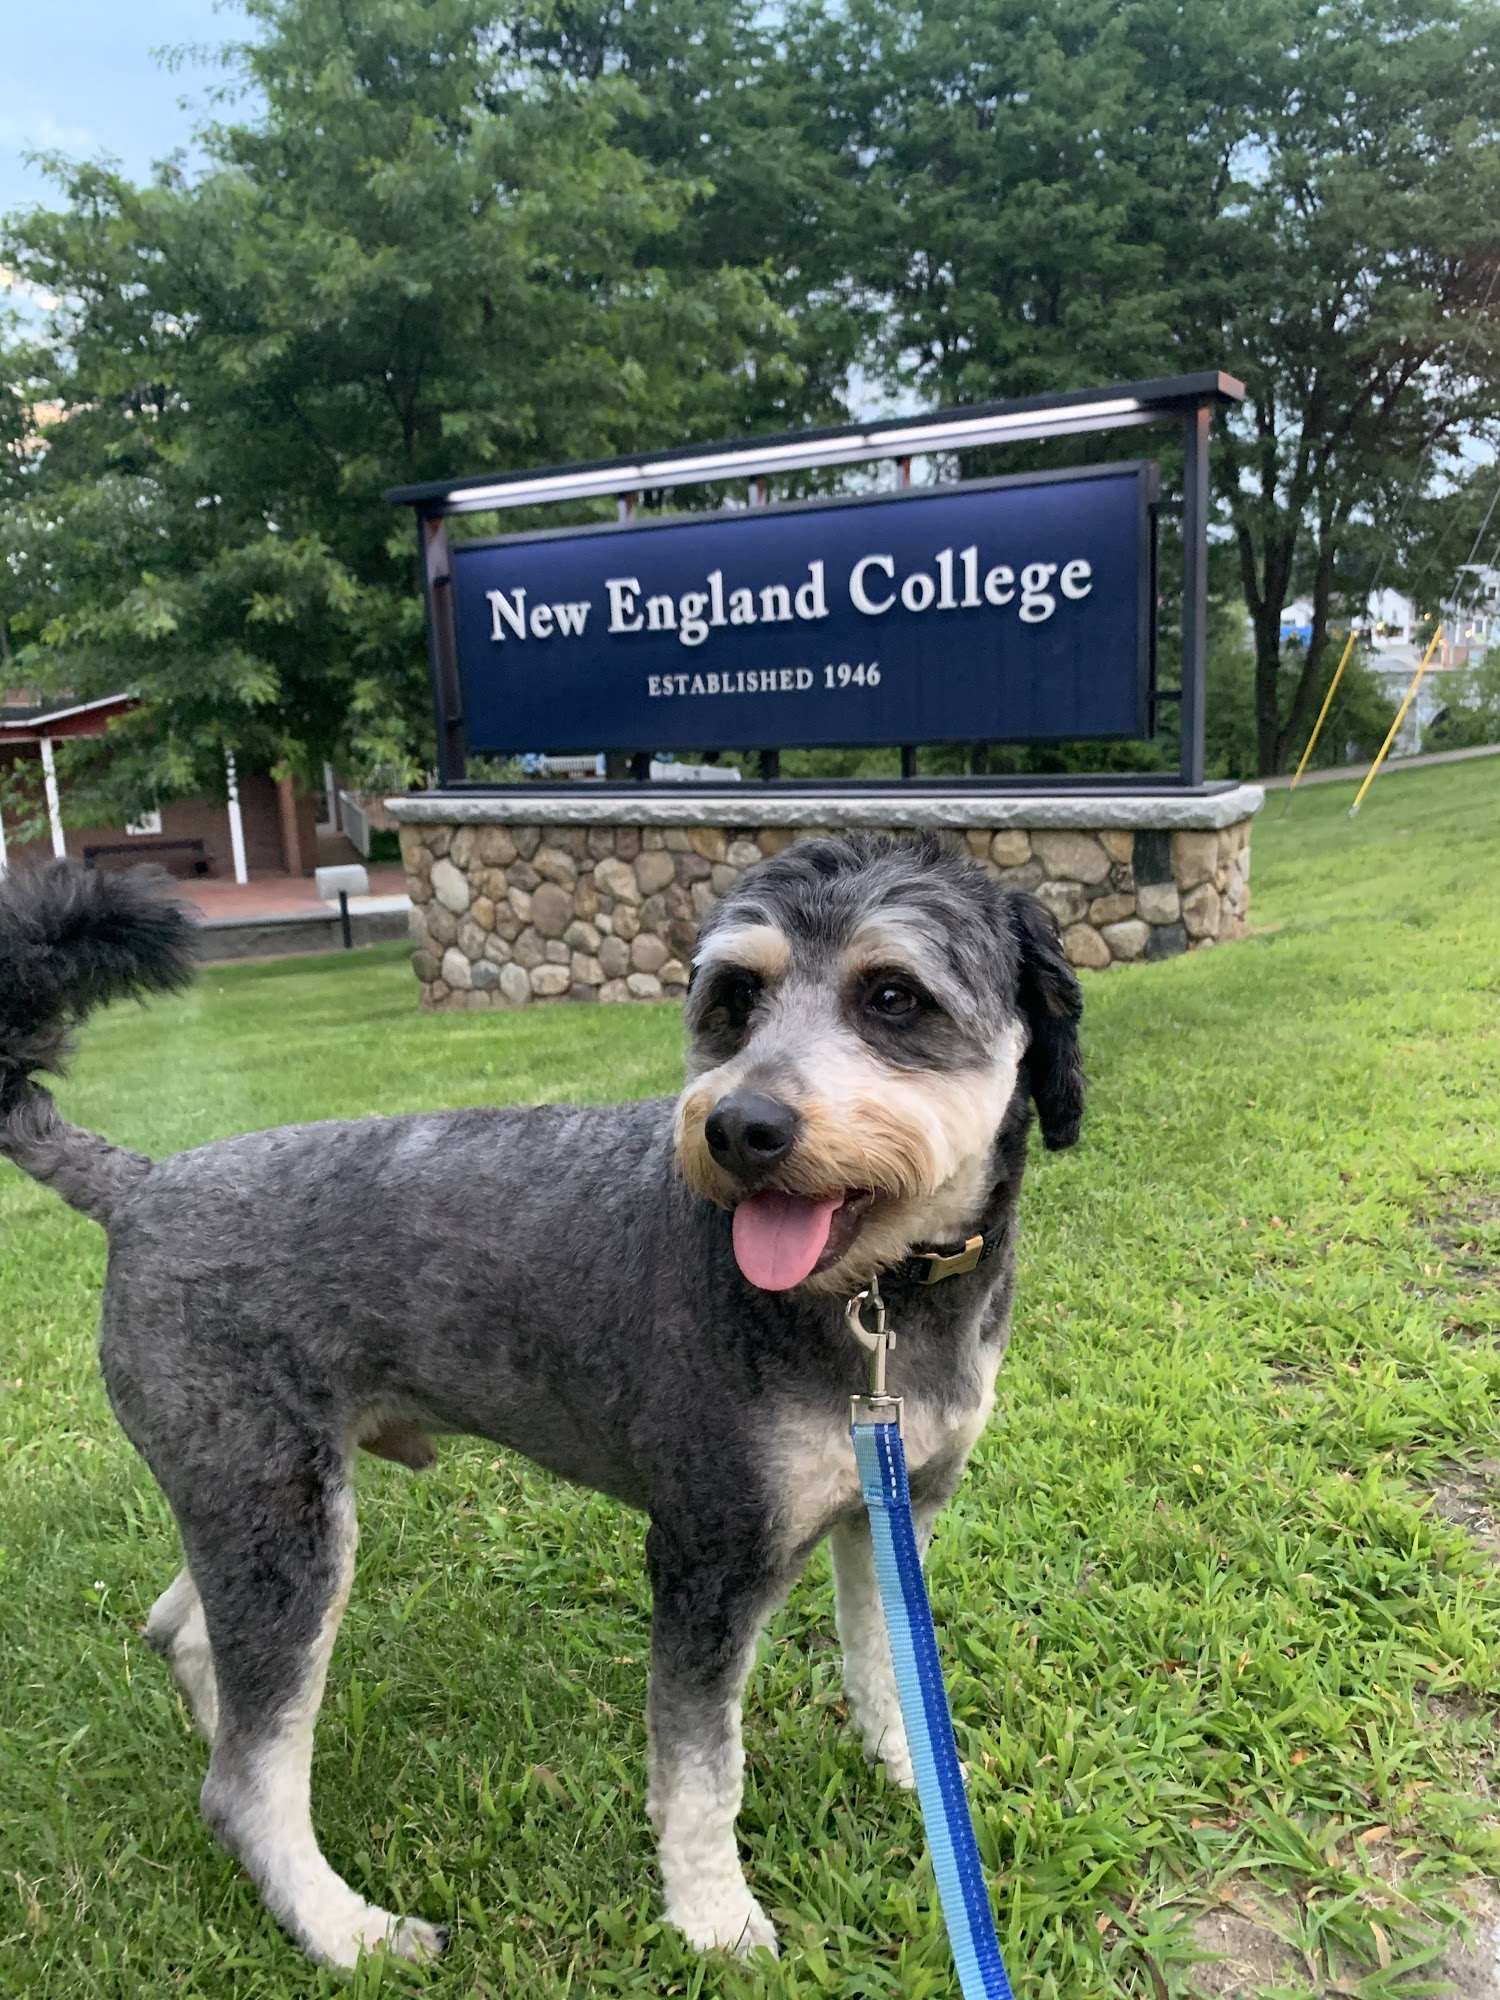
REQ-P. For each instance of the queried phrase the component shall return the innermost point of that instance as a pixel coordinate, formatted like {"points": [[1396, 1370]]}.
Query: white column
{"points": [[54, 808], [236, 823]]}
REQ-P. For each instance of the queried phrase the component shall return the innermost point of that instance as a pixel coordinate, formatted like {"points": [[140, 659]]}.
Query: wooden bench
{"points": [[178, 857]]}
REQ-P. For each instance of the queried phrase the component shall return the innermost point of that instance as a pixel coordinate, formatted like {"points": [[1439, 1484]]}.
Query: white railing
{"points": [[355, 822]]}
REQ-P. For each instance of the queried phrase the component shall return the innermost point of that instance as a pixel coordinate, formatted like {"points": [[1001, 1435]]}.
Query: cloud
{"points": [[22, 288], [33, 129]]}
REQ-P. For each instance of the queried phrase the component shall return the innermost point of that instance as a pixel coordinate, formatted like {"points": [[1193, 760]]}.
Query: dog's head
{"points": [[862, 1013]]}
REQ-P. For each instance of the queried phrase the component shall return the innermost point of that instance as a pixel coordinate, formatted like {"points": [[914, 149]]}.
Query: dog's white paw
{"points": [[739, 1925], [419, 1941], [885, 1744], [375, 1930], [895, 1755]]}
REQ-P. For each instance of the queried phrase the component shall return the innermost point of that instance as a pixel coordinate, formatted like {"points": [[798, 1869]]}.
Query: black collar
{"points": [[956, 1260], [949, 1260]]}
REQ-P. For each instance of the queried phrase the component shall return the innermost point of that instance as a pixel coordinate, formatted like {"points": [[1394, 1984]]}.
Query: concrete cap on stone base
{"points": [[903, 809]]}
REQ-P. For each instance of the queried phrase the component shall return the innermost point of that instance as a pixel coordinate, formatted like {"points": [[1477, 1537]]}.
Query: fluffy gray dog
{"points": [[654, 1309]]}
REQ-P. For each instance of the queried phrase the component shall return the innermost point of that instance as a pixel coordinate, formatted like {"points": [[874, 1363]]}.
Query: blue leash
{"points": [[875, 1424]]}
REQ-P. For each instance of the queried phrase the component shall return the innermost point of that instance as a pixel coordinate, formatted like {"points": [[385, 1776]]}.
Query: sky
{"points": [[79, 77]]}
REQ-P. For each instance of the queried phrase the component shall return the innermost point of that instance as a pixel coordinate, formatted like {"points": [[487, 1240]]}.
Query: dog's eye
{"points": [[895, 999], [737, 996]]}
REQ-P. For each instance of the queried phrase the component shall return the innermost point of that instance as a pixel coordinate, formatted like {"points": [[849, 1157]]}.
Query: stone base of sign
{"points": [[521, 898]]}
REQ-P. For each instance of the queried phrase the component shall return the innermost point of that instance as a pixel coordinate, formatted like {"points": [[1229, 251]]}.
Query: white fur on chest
{"points": [[815, 1480]]}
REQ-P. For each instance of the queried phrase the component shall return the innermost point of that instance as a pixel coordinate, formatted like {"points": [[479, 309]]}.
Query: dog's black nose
{"points": [[749, 1135]]}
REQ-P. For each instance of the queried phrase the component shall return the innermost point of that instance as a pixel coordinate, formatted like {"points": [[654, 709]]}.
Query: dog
{"points": [[646, 1299]]}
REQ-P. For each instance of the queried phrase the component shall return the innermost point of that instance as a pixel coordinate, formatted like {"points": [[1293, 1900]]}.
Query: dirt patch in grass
{"points": [[1455, 1705], [1472, 1970], [1247, 1959], [1469, 1333], [1463, 1229], [1463, 1498]]}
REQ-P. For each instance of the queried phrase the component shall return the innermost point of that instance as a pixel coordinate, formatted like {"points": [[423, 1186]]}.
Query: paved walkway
{"points": [[269, 897], [1342, 772]]}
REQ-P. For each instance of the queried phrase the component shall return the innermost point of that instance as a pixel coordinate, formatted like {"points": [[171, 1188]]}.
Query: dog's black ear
{"points": [[1052, 1001]]}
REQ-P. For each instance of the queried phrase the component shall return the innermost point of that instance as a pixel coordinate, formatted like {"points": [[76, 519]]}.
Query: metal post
{"points": [[1333, 688], [54, 806], [1195, 499], [4, 863], [442, 639], [1394, 730], [771, 761], [344, 919], [908, 750], [236, 821], [625, 506]]}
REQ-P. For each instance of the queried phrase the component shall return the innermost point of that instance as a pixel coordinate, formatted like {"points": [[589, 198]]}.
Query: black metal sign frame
{"points": [[1188, 401]]}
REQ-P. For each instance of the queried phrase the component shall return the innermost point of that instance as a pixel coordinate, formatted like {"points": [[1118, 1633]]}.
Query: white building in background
{"points": [[1390, 617], [1471, 620], [1394, 636]]}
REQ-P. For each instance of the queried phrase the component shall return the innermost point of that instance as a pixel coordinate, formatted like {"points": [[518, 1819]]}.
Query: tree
{"points": [[434, 249], [1472, 714], [1304, 192]]}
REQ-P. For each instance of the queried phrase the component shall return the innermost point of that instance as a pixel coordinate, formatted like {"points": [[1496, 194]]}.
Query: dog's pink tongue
{"points": [[779, 1237]]}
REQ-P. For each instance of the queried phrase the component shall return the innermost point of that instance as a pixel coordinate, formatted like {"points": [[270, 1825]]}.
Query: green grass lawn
{"points": [[1212, 1646]]}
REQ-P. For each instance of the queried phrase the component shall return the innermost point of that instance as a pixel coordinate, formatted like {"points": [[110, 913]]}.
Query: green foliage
{"points": [[1230, 749], [1206, 1633], [1302, 193], [466, 234], [1360, 718], [1473, 714], [1447, 529], [455, 238], [1354, 728]]}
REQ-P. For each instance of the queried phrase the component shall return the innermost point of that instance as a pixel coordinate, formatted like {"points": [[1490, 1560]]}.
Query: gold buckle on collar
{"points": [[962, 1261]]}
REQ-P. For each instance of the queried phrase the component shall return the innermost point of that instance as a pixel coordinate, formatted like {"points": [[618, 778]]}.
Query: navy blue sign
{"points": [[1005, 610]]}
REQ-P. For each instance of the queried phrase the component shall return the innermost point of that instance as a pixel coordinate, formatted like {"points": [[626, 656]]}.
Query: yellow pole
{"points": [[1400, 718], [1333, 688]]}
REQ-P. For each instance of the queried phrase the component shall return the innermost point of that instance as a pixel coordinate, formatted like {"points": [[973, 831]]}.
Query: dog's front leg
{"points": [[704, 1628]]}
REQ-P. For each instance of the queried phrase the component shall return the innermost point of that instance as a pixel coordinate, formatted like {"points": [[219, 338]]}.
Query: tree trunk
{"points": [[1264, 575], [1299, 717], [1305, 694], [291, 841], [1267, 630]]}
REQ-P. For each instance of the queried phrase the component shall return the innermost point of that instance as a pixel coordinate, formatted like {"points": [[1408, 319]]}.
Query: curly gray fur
{"points": [[71, 940]]}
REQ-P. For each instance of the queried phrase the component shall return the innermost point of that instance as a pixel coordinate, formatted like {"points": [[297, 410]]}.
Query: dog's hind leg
{"points": [[176, 1629], [273, 1560], [703, 1633]]}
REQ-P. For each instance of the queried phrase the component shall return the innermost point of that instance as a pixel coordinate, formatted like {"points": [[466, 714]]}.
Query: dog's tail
{"points": [[69, 941]]}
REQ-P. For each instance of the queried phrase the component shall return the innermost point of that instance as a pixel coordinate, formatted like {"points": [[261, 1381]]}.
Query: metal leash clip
{"points": [[878, 1407]]}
